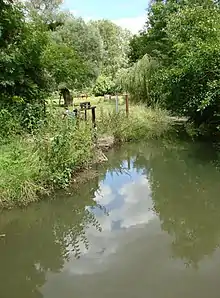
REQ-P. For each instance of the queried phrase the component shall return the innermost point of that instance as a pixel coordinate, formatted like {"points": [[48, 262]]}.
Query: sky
{"points": [[128, 14]]}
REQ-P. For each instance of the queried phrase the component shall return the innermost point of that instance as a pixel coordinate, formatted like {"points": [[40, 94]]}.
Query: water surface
{"points": [[147, 226]]}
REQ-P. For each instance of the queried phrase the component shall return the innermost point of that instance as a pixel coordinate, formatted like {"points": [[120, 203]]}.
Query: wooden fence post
{"points": [[127, 106], [93, 116]]}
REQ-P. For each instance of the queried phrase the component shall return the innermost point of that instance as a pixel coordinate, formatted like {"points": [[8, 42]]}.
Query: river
{"points": [[148, 226]]}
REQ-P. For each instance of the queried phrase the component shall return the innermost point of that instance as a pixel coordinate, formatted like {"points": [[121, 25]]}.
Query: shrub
{"points": [[104, 85], [10, 125], [63, 147]]}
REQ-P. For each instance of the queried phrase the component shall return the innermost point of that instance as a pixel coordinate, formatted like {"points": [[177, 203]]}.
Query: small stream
{"points": [[147, 226]]}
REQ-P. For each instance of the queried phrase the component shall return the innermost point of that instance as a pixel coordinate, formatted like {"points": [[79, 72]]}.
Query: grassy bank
{"points": [[32, 166], [141, 124]]}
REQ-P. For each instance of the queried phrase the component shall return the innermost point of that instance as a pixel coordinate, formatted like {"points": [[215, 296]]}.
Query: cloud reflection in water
{"points": [[129, 206]]}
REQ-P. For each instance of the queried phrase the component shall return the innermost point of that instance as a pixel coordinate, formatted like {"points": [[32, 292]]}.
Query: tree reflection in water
{"points": [[41, 238], [185, 192], [184, 179]]}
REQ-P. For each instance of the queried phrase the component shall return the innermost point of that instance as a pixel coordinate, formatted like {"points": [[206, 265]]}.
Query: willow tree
{"points": [[136, 80]]}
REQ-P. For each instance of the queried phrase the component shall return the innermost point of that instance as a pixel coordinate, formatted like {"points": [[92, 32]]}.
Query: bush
{"points": [[63, 147], [10, 125], [104, 85], [18, 117]]}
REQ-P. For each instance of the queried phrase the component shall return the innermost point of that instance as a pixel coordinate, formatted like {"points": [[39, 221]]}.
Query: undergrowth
{"points": [[141, 124], [34, 164]]}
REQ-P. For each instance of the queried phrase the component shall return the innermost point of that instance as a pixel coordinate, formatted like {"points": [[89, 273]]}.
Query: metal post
{"points": [[116, 103]]}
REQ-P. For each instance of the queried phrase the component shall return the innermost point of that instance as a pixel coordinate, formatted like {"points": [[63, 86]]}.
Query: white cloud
{"points": [[136, 210], [133, 24], [74, 12], [104, 196]]}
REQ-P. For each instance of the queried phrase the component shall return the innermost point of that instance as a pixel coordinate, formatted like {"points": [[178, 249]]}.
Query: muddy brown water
{"points": [[147, 226]]}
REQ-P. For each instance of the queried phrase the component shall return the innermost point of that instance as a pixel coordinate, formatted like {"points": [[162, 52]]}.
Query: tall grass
{"points": [[31, 166], [141, 124], [19, 173], [63, 146]]}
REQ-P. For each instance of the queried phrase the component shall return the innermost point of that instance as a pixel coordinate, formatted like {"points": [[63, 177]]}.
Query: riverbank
{"points": [[32, 166]]}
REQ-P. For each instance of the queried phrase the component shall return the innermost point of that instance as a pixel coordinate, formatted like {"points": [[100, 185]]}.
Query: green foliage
{"points": [[136, 80], [143, 123], [115, 46], [64, 147], [153, 40], [20, 117], [104, 85], [10, 125], [45, 8], [137, 47], [21, 48], [191, 82], [19, 173], [31, 115], [86, 42], [183, 36], [64, 65], [32, 166]]}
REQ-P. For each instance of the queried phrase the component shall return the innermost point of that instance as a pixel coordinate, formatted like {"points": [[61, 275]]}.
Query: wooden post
{"points": [[75, 112], [127, 106], [85, 113], [76, 116], [116, 103], [129, 163], [93, 116]]}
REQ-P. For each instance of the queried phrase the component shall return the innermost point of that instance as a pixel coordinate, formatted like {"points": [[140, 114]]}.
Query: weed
{"points": [[32, 165], [142, 123]]}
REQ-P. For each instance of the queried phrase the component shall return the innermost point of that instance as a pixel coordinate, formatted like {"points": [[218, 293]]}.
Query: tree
{"points": [[65, 66], [136, 79], [152, 40], [183, 37], [104, 85], [48, 10], [116, 46], [21, 46], [192, 79], [85, 40], [43, 6]]}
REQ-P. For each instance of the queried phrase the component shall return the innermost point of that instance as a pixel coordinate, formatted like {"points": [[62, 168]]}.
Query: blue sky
{"points": [[126, 13]]}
